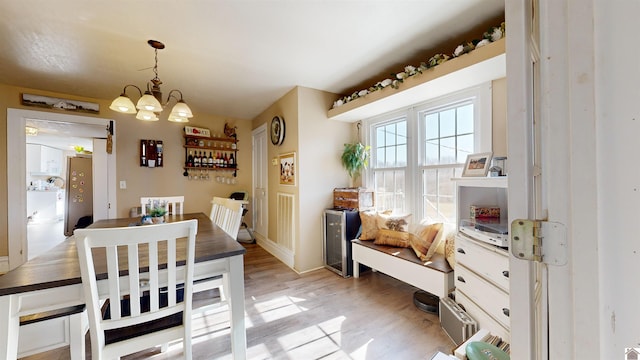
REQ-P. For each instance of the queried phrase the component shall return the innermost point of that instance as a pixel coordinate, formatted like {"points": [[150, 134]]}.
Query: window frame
{"points": [[481, 97]]}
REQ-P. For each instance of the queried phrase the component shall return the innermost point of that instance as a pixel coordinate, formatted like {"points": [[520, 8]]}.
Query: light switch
{"points": [[123, 184]]}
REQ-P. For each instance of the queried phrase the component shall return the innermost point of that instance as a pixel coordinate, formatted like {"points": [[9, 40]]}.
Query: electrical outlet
{"points": [[123, 184]]}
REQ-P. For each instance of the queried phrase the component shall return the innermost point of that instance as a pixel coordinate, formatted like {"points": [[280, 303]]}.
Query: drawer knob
{"points": [[461, 279], [505, 311], [505, 273], [461, 251]]}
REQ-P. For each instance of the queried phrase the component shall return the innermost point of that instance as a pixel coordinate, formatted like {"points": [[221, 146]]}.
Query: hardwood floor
{"points": [[317, 315]]}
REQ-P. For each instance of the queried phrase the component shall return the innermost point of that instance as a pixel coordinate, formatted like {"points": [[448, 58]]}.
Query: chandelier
{"points": [[150, 104]]}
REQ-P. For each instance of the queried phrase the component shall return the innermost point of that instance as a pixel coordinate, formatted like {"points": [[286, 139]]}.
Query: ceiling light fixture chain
{"points": [[150, 103]]}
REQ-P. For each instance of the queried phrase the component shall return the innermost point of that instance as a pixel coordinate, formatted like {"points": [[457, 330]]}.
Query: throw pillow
{"points": [[392, 238], [450, 249], [424, 242], [394, 222], [369, 225]]}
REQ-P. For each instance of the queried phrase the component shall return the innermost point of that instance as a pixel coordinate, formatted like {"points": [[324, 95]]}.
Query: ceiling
{"points": [[232, 58]]}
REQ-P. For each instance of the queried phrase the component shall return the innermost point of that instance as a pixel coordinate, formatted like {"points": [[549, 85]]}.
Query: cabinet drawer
{"points": [[486, 295], [482, 318], [486, 260]]}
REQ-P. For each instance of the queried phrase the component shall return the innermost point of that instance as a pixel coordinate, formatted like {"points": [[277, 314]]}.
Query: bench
{"points": [[434, 276]]}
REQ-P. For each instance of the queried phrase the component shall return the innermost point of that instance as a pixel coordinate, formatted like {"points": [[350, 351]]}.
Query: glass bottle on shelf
{"points": [[196, 160], [190, 158], [210, 160], [232, 161]]}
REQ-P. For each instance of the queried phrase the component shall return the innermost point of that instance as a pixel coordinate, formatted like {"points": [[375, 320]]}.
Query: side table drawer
{"points": [[486, 260], [489, 297]]}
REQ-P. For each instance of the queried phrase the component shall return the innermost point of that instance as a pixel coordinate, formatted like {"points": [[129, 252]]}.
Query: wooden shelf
{"points": [[479, 66]]}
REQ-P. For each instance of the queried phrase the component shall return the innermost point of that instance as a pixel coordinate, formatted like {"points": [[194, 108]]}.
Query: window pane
{"points": [[380, 157], [465, 119], [402, 132], [380, 137], [448, 150], [390, 134], [402, 155], [432, 155], [431, 126], [448, 123], [391, 156], [465, 147]]}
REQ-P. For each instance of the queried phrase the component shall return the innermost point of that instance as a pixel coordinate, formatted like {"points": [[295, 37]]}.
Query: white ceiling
{"points": [[232, 58]]}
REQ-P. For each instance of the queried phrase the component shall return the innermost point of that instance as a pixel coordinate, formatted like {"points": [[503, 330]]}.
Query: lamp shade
{"points": [[149, 102], [181, 109], [176, 118], [123, 104], [147, 115]]}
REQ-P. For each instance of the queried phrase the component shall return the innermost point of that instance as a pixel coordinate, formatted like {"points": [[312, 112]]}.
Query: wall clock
{"points": [[277, 130]]}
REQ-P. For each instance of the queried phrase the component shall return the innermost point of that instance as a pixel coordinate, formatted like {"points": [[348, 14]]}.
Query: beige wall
{"points": [[318, 143], [141, 181], [499, 114]]}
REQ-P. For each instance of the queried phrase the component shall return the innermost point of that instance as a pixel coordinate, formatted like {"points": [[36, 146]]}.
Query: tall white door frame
{"points": [[260, 164], [567, 139], [16, 177]]}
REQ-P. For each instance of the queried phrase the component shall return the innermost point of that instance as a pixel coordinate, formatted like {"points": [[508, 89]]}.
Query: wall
{"points": [[499, 115], [321, 143], [318, 143], [140, 181]]}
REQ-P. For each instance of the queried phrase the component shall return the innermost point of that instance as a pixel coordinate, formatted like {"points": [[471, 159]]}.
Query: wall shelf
{"points": [[479, 66]]}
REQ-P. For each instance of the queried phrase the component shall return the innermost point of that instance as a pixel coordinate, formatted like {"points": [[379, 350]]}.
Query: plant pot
{"points": [[157, 219]]}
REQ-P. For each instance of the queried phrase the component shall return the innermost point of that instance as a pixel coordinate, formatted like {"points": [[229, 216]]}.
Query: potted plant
{"points": [[157, 213], [355, 158]]}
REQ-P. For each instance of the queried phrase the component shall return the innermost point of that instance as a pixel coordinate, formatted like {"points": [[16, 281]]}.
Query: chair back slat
{"points": [[145, 268]]}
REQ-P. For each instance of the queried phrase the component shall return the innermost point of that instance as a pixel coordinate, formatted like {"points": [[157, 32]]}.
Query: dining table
{"points": [[52, 281]]}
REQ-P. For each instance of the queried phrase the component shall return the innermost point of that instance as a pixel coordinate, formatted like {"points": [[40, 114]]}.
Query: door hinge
{"points": [[541, 241]]}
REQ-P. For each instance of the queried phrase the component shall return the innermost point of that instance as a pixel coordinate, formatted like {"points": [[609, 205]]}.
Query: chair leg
{"points": [[78, 326]]}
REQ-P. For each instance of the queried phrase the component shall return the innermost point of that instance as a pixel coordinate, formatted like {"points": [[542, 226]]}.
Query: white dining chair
{"points": [[174, 205], [233, 217], [143, 288]]}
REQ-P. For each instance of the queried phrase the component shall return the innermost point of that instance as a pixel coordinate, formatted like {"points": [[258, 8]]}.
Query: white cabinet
{"points": [[482, 269], [43, 160]]}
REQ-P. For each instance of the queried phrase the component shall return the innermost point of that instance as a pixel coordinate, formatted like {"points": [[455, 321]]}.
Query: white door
{"points": [[260, 170], [528, 285]]}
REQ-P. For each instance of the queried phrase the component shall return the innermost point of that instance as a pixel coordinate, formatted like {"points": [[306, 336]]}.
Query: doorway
{"points": [[17, 177]]}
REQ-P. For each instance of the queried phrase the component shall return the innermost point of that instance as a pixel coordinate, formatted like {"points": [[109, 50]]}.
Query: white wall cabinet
{"points": [[482, 269], [43, 160]]}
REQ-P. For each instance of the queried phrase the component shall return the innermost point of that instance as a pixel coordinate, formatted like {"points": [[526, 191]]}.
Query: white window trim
{"points": [[483, 106]]}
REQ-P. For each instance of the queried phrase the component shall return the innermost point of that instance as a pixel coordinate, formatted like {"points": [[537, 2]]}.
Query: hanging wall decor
{"points": [[288, 168], [151, 153]]}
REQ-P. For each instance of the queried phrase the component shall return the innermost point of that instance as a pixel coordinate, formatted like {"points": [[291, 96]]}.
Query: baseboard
{"points": [[282, 254]]}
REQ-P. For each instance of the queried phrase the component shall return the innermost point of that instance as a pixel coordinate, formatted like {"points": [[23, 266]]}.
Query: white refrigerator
{"points": [[79, 194]]}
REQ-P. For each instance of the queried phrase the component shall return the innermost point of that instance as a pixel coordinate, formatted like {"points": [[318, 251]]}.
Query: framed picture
{"points": [[477, 164], [60, 104], [288, 168]]}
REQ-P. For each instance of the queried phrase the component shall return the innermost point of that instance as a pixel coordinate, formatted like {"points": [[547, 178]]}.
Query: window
{"points": [[390, 167], [448, 135], [417, 151]]}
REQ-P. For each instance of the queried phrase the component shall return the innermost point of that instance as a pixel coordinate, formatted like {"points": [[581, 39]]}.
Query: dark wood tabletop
{"points": [[59, 266]]}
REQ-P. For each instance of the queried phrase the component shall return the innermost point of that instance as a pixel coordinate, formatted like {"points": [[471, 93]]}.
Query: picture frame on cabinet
{"points": [[477, 164], [288, 168]]}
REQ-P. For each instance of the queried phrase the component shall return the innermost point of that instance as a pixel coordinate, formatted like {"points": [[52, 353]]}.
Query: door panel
{"points": [[260, 164]]}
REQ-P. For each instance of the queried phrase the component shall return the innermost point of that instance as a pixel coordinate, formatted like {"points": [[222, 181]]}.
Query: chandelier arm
{"points": [[173, 96], [124, 91]]}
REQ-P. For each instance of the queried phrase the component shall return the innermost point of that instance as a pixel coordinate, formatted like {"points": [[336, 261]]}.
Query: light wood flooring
{"points": [[316, 315]]}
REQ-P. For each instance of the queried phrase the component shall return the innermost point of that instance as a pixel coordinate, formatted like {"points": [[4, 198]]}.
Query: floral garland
{"points": [[494, 33]]}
